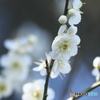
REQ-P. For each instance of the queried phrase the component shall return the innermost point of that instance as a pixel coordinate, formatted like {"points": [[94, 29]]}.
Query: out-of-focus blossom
{"points": [[16, 65], [21, 45], [34, 91], [6, 88]]}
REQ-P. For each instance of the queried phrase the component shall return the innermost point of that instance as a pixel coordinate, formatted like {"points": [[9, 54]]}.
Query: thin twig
{"points": [[66, 7], [93, 86], [47, 79]]}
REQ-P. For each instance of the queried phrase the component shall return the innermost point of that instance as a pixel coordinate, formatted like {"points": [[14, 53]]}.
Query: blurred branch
{"points": [[93, 86]]}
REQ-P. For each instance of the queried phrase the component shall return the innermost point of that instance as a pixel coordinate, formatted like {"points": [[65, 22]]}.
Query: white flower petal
{"points": [[28, 87], [70, 4], [66, 69], [72, 30], [54, 74], [62, 29], [77, 4], [51, 94], [75, 19], [11, 44], [37, 68], [95, 72], [43, 72]]}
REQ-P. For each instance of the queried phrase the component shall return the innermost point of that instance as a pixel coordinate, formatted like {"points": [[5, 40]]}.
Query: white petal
{"points": [[51, 94], [75, 40], [43, 72], [37, 68], [28, 87], [70, 4], [66, 69], [73, 50], [11, 44], [72, 30], [5, 61], [95, 72], [40, 83], [77, 4], [62, 29], [54, 74], [75, 19]]}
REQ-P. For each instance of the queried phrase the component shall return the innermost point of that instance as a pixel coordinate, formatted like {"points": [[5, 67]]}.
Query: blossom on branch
{"points": [[34, 91]]}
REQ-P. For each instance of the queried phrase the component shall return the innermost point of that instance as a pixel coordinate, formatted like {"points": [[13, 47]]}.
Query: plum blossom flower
{"points": [[42, 66], [66, 45], [6, 88], [21, 45], [16, 65], [34, 91]]}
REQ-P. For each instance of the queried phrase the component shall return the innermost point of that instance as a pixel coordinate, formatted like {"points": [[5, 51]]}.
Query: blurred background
{"points": [[25, 16]]}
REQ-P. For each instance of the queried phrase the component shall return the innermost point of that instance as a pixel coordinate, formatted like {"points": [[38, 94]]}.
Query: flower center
{"points": [[15, 65], [2, 87], [36, 94], [64, 46]]}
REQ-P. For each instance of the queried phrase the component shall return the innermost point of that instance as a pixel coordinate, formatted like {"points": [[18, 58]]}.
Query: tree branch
{"points": [[49, 68], [93, 86], [66, 7]]}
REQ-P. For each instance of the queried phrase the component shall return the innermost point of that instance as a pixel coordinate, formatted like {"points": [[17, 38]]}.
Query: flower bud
{"points": [[62, 19], [71, 12], [96, 62]]}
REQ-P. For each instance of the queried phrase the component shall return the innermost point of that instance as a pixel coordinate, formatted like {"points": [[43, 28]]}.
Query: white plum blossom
{"points": [[66, 45], [42, 66], [6, 88], [74, 12], [34, 91], [16, 65]]}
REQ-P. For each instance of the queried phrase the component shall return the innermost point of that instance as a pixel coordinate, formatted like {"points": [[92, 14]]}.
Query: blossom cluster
{"points": [[65, 44], [22, 50]]}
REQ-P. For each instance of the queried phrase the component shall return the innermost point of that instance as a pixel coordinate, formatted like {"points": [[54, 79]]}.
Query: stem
{"points": [[93, 86], [66, 7], [46, 86], [49, 68]]}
